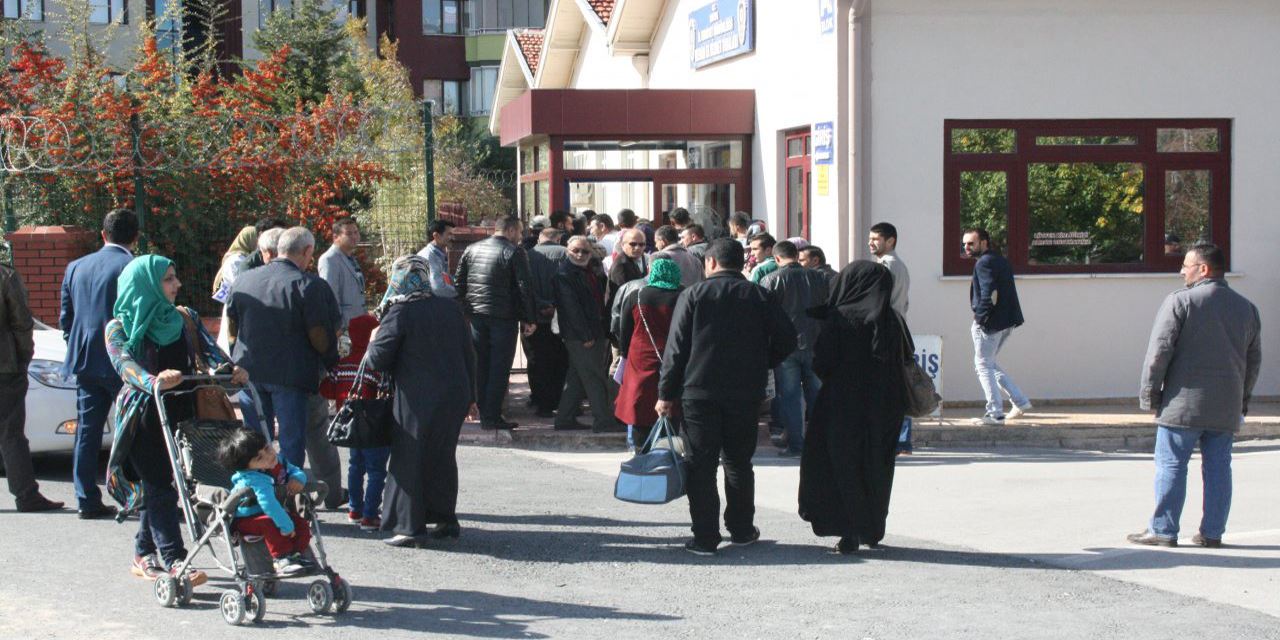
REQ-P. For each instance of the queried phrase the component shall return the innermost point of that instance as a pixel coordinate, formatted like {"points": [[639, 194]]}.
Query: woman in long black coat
{"points": [[424, 344], [846, 469]]}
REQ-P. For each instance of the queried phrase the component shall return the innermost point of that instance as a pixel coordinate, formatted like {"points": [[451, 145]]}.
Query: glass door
{"points": [[798, 168]]}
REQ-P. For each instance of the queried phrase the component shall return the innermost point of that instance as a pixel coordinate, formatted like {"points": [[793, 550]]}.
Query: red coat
{"points": [[639, 391], [337, 385]]}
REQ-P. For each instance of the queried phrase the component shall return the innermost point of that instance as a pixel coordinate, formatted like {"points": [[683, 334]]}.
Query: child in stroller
{"points": [[256, 466]]}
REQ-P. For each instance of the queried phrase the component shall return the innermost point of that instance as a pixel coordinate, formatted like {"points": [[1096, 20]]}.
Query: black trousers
{"points": [[721, 432], [548, 363], [14, 448]]}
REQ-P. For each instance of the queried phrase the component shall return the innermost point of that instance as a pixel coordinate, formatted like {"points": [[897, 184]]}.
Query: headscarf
{"points": [[860, 295], [410, 280], [141, 305], [664, 274], [246, 242]]}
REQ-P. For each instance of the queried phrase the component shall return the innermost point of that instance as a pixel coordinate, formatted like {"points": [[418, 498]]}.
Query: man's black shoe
{"points": [[443, 531], [98, 512], [845, 547], [39, 503], [699, 549], [1152, 540], [742, 541], [1208, 543], [572, 426], [498, 426]]}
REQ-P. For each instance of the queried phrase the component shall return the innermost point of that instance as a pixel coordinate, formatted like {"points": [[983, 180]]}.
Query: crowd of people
{"points": [[629, 318]]}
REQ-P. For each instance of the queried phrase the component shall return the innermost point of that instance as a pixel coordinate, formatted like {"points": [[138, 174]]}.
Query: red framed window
{"points": [[1087, 196], [798, 169]]}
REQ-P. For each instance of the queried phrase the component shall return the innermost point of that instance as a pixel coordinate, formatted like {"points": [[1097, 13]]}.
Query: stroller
{"points": [[208, 506]]}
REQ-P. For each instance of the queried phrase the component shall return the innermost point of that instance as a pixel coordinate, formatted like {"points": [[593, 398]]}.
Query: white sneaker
{"points": [[988, 421], [1018, 412]]}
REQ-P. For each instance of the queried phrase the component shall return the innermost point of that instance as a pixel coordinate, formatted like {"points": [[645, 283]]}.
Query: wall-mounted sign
{"points": [[929, 357], [720, 30], [823, 173], [826, 17], [824, 138]]}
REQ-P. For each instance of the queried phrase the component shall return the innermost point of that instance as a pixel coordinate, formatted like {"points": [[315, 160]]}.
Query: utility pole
{"points": [[429, 156]]}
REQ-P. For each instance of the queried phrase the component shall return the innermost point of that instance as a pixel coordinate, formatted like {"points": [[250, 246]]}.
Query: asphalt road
{"points": [[546, 552]]}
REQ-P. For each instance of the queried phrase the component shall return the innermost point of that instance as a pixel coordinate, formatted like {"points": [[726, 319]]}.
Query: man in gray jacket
{"points": [[1199, 373]]}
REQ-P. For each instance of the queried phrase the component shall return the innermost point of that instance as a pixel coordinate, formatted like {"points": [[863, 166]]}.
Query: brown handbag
{"points": [[211, 402]]}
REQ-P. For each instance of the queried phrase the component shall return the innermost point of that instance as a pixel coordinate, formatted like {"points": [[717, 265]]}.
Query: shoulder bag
{"points": [[921, 396], [211, 401], [362, 423]]}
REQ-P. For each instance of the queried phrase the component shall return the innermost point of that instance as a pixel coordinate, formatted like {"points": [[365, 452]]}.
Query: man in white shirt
{"points": [[883, 242]]}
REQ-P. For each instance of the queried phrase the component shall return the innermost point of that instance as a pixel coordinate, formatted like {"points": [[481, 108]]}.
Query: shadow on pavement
{"points": [[1095, 559], [560, 520]]}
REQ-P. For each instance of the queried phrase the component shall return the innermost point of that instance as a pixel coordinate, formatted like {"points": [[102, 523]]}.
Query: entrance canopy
{"points": [[627, 113], [647, 150]]}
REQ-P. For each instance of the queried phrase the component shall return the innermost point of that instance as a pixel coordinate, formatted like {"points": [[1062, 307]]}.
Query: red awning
{"points": [[628, 113]]}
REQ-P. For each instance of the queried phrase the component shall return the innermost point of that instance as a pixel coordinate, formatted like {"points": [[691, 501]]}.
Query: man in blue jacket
{"points": [[88, 296], [996, 311]]}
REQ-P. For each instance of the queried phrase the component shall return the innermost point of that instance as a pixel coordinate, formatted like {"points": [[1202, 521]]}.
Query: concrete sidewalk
{"points": [[1056, 425]]}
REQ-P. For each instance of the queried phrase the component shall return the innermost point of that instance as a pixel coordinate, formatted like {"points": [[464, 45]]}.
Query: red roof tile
{"points": [[603, 8], [530, 41]]}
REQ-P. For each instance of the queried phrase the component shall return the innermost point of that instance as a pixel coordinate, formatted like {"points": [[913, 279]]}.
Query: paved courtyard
{"points": [[1025, 544]]}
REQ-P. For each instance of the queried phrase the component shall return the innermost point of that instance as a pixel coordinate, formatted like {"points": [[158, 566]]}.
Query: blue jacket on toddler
{"points": [[264, 486]]}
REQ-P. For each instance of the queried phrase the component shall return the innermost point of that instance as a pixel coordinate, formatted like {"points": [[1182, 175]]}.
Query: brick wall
{"points": [[41, 255]]}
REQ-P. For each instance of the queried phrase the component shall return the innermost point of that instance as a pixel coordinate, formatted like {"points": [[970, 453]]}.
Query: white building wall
{"points": [[936, 59]]}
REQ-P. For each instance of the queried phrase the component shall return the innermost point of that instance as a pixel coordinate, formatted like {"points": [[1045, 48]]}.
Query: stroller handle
{"points": [[236, 498]]}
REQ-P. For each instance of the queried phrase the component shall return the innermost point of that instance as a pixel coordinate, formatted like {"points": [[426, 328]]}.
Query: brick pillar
{"points": [[41, 255], [464, 237]]}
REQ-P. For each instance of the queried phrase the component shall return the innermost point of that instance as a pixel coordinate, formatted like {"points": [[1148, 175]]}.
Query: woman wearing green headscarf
{"points": [[646, 319], [150, 342]]}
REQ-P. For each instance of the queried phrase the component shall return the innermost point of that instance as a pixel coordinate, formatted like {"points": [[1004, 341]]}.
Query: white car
{"points": [[51, 398]]}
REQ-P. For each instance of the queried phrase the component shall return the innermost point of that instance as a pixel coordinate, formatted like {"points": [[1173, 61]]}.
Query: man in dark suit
{"points": [[996, 311], [88, 296]]}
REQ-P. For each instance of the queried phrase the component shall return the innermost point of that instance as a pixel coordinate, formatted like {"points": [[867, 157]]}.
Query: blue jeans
{"points": [[796, 388], [1173, 451], [93, 401], [495, 343], [371, 463], [286, 411], [992, 378], [904, 436]]}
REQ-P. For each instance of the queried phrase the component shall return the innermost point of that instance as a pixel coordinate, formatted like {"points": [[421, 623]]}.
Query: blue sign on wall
{"points": [[722, 29], [826, 16], [824, 139]]}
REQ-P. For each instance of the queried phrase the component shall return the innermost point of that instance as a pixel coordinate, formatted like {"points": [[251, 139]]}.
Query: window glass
{"points": [[544, 157], [100, 11], [653, 154], [527, 157], [1186, 209], [612, 196], [452, 99], [544, 197], [1184, 140], [537, 13], [26, 9], [984, 204], [1085, 212], [795, 201], [983, 141], [795, 147], [480, 90], [506, 13], [451, 17], [520, 17], [1045, 141], [528, 198], [708, 204], [432, 20]]}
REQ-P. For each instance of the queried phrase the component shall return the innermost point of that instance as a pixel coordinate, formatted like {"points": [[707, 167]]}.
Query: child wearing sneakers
{"points": [[254, 461], [365, 501]]}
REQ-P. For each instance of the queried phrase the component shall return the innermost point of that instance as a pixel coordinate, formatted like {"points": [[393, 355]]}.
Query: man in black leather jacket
{"points": [[796, 289], [496, 289]]}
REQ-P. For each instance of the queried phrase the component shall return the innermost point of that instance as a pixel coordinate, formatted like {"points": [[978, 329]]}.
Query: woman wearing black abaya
{"points": [[423, 343], [846, 470]]}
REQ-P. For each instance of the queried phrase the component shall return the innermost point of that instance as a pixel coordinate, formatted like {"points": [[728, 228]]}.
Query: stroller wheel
{"points": [[185, 591], [256, 604], [341, 595], [165, 589], [320, 596], [232, 606]]}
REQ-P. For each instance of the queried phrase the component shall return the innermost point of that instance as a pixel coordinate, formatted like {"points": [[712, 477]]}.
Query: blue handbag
{"points": [[656, 474]]}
